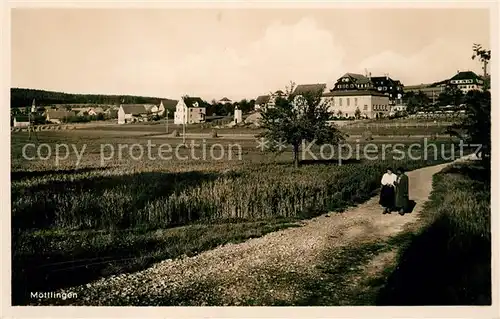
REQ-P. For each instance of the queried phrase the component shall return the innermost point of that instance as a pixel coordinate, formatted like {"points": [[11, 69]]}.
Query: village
{"points": [[352, 97]]}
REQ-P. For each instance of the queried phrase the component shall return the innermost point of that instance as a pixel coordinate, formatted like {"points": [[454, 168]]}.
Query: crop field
{"points": [[83, 209], [398, 127]]}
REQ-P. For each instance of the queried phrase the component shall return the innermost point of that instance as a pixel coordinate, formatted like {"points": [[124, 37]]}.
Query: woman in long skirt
{"points": [[387, 193], [402, 201]]}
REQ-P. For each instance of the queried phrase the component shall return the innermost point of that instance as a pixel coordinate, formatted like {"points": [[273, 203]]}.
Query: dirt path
{"points": [[262, 268]]}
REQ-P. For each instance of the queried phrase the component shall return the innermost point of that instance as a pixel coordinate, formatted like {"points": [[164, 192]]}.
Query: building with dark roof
{"points": [[57, 116], [261, 101], [21, 121], [466, 81], [390, 87], [128, 113], [225, 100], [353, 81], [383, 84], [317, 88], [190, 110]]}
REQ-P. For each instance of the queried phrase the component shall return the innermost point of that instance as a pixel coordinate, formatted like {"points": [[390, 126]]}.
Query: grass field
{"points": [[396, 127], [91, 220]]}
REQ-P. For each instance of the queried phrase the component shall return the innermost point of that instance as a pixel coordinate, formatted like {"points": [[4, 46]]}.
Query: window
{"points": [[348, 101], [355, 101], [340, 101], [365, 108]]}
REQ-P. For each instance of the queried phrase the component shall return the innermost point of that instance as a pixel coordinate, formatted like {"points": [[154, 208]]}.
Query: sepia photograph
{"points": [[250, 156]]}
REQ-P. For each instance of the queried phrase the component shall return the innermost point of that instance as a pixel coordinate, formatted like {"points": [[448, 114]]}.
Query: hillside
{"points": [[20, 97]]}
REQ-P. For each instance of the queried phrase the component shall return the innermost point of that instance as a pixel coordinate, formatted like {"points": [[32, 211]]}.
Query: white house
{"points": [[158, 110], [189, 110], [21, 121], [370, 104], [399, 108], [238, 116], [128, 113], [261, 102], [225, 100], [57, 116], [95, 111]]}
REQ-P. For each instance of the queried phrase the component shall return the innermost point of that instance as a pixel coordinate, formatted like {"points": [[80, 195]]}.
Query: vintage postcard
{"points": [[300, 155]]}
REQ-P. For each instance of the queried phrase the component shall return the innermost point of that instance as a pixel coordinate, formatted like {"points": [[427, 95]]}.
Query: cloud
{"points": [[302, 52], [435, 62]]}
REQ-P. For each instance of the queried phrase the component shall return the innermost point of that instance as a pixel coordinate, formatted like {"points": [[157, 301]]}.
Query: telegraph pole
{"points": [[184, 128], [31, 121], [166, 121]]}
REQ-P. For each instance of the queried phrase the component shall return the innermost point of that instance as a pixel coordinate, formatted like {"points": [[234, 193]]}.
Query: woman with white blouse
{"points": [[387, 193]]}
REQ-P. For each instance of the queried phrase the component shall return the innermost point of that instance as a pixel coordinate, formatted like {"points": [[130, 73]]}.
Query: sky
{"points": [[238, 53]]}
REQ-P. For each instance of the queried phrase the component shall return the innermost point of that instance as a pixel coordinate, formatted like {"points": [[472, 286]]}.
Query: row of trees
{"points": [[450, 96], [217, 108], [20, 97]]}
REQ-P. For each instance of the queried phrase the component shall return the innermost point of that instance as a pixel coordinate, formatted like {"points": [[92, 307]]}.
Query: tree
{"points": [[357, 113], [452, 95], [483, 55], [415, 101], [475, 128], [297, 118]]}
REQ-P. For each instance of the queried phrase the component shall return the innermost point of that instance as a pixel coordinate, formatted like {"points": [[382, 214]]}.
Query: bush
{"points": [[175, 133], [367, 136]]}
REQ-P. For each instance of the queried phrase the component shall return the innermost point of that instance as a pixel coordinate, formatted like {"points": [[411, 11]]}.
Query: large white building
{"points": [[189, 110], [365, 103]]}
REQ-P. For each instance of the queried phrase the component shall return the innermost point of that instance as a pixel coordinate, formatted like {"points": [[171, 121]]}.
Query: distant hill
{"points": [[24, 97]]}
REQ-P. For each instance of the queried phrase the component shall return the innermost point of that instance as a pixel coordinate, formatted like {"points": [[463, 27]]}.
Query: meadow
{"points": [[72, 224], [397, 127]]}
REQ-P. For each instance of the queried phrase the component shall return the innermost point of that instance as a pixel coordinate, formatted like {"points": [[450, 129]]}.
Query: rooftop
{"points": [[309, 88], [353, 93]]}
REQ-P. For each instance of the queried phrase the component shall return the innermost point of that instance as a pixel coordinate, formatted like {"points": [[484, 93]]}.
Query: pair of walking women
{"points": [[394, 193]]}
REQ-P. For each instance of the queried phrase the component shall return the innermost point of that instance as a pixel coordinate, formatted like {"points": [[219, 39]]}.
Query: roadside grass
{"points": [[45, 260]]}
